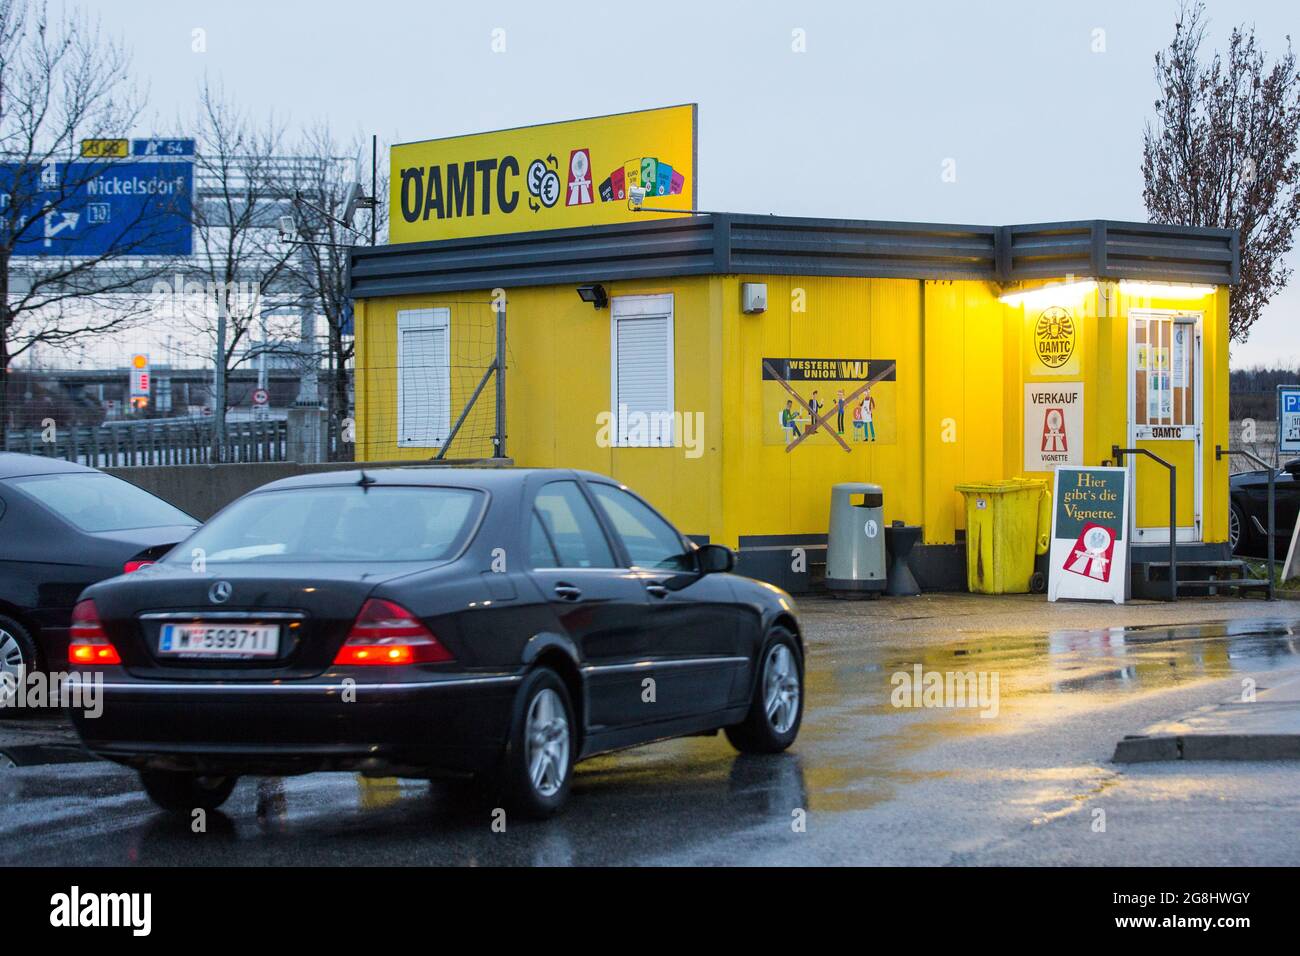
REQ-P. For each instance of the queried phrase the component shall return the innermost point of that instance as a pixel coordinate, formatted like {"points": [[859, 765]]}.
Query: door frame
{"points": [[1195, 532]]}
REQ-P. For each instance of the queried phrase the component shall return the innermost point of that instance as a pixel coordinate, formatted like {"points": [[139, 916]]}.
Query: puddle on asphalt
{"points": [[1045, 677], [856, 749]]}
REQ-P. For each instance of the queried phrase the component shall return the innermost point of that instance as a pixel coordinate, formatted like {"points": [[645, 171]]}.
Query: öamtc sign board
{"points": [[552, 176], [1089, 554]]}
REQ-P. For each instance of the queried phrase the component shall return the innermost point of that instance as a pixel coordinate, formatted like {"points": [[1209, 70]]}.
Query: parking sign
{"points": [[1288, 419]]}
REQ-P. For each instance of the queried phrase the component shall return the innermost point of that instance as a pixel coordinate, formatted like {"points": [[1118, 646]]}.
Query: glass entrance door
{"points": [[1165, 406]]}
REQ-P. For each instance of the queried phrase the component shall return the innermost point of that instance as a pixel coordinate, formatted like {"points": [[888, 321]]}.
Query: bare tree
{"points": [[239, 269], [1222, 152], [62, 82], [326, 228]]}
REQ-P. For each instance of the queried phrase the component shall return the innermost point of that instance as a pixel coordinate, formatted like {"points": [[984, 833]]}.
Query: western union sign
{"points": [[554, 176]]}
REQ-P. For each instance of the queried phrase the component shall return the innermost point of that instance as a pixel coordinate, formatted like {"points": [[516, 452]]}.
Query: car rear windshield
{"points": [[339, 523], [94, 502]]}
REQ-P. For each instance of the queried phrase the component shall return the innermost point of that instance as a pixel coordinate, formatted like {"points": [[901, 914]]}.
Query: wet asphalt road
{"points": [[872, 783]]}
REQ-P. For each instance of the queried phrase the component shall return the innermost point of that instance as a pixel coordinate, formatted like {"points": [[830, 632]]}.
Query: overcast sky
{"points": [[1040, 126]]}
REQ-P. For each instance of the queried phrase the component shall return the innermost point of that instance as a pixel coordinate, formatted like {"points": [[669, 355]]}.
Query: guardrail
{"points": [[153, 442]]}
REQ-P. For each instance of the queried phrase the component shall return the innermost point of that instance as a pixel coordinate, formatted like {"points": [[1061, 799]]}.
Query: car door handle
{"points": [[567, 592], [656, 590]]}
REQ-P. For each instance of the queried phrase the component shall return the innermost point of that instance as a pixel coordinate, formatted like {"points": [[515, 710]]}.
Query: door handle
{"points": [[567, 592], [657, 590]]}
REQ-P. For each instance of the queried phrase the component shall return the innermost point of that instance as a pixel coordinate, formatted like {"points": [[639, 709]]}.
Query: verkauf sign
{"points": [[1089, 555], [554, 176], [1053, 425]]}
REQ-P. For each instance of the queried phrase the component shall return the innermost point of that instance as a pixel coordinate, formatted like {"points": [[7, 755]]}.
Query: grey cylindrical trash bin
{"points": [[855, 543]]}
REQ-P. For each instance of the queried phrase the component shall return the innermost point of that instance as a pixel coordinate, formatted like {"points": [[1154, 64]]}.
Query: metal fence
{"points": [[184, 441]]}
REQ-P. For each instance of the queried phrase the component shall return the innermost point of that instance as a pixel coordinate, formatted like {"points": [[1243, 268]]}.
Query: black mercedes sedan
{"points": [[1248, 511], [493, 624], [64, 526]]}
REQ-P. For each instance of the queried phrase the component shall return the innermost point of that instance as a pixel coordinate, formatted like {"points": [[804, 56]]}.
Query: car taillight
{"points": [[387, 633], [135, 566], [88, 644]]}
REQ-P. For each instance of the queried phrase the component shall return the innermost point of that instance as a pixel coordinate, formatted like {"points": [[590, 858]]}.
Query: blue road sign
{"points": [[162, 147], [1288, 419], [124, 206]]}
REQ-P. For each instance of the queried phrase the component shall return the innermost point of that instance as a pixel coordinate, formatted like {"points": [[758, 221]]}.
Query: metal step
{"points": [[1194, 570], [1207, 577]]}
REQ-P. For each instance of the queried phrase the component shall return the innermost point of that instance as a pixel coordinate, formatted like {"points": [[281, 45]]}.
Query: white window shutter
{"points": [[642, 363], [423, 377]]}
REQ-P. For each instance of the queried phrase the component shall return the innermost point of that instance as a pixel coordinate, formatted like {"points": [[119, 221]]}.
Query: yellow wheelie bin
{"points": [[1007, 524]]}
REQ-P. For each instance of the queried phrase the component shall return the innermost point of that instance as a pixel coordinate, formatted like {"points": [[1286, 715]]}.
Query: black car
{"points": [[1248, 514], [64, 526], [493, 624]]}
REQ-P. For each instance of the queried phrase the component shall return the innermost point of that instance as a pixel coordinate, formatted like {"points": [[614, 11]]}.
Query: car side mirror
{"points": [[715, 558], [1292, 467]]}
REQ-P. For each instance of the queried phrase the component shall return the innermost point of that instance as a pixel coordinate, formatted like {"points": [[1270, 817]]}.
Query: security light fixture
{"points": [[595, 294]]}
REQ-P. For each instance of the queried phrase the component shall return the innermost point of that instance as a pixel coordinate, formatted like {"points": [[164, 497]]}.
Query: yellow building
{"points": [[710, 372]]}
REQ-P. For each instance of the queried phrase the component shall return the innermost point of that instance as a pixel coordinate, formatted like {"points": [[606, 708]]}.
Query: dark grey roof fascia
{"points": [[729, 244]]}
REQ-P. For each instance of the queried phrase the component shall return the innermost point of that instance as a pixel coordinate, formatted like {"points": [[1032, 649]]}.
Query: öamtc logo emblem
{"points": [[1055, 336]]}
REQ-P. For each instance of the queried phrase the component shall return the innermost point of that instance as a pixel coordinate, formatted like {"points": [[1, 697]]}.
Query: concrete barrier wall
{"points": [[203, 490]]}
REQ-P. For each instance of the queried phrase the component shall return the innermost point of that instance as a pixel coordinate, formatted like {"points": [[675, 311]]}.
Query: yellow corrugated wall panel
{"points": [[772, 491], [557, 384]]}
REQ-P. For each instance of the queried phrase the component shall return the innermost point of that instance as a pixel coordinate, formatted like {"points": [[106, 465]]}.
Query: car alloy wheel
{"points": [[13, 666], [780, 688], [546, 736], [1234, 529]]}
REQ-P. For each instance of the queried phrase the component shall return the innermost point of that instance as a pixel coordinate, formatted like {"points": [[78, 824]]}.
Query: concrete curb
{"points": [[1144, 749], [1266, 727]]}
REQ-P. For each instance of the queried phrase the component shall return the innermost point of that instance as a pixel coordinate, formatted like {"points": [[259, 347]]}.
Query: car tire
{"points": [[1238, 530], [183, 792], [773, 721], [536, 770], [17, 656]]}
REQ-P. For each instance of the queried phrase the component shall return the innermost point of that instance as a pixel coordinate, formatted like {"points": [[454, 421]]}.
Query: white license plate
{"points": [[234, 641]]}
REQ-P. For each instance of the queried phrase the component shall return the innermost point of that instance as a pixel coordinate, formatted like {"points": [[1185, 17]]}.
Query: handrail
{"points": [[1219, 452], [1118, 454]]}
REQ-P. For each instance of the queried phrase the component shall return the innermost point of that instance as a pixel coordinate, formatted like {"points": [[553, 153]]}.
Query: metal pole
{"points": [[464, 412], [1272, 525], [219, 385], [1173, 533], [501, 380], [374, 185]]}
